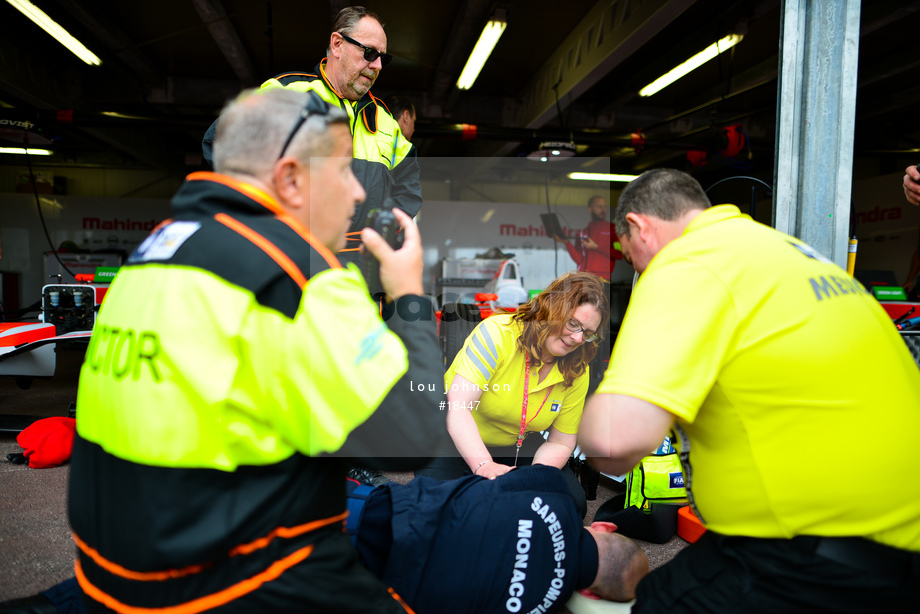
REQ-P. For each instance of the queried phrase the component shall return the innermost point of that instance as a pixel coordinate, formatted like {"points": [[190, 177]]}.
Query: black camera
{"points": [[385, 223]]}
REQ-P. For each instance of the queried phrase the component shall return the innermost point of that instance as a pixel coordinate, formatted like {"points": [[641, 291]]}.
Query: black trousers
{"points": [[746, 575], [453, 467]]}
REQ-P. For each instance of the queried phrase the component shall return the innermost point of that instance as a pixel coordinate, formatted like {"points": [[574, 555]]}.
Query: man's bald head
{"points": [[621, 566]]}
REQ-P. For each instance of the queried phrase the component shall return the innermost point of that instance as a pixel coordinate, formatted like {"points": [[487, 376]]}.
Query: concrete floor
{"points": [[37, 550]]}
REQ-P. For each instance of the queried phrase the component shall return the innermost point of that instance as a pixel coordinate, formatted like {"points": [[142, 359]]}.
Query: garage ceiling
{"points": [[562, 71]]}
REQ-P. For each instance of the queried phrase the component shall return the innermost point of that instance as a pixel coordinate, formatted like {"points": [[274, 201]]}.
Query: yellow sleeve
{"points": [[482, 352], [340, 365], [670, 352]]}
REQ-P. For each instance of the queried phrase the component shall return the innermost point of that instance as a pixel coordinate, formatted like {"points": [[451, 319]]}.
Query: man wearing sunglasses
{"points": [[238, 370], [384, 162]]}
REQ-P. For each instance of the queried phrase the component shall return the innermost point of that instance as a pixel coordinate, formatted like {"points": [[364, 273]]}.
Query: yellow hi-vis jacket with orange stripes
{"points": [[385, 163], [234, 368], [383, 160]]}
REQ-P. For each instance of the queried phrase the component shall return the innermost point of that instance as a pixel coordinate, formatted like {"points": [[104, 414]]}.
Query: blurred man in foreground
{"points": [[236, 369]]}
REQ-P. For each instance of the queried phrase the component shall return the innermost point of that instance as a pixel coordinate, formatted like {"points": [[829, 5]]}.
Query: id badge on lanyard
{"points": [[524, 423]]}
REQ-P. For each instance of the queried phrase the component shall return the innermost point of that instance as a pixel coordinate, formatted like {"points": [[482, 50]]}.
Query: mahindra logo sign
{"points": [[95, 223], [513, 230], [878, 215]]}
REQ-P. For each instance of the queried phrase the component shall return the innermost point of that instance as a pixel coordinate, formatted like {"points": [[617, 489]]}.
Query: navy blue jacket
{"points": [[472, 545]]}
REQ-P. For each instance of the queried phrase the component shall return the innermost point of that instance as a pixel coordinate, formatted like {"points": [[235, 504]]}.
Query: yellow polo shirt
{"points": [[799, 398], [490, 360]]}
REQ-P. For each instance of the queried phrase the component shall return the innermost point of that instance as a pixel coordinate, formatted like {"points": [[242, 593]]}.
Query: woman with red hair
{"points": [[521, 374]]}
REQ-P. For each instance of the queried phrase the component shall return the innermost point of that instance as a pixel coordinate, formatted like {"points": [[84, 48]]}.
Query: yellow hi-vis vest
{"points": [[658, 478]]}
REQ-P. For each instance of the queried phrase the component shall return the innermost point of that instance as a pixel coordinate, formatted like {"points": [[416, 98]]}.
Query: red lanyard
{"points": [[524, 423]]}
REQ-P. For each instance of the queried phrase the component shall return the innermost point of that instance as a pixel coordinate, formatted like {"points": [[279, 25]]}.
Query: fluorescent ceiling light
{"points": [[60, 34], [602, 177], [23, 150], [693, 63], [487, 41]]}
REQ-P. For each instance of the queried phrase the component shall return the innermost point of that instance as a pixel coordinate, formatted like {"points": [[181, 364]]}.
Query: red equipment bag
{"points": [[48, 442]]}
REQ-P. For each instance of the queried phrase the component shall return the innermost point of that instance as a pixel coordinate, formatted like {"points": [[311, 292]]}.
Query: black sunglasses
{"points": [[315, 106], [370, 54]]}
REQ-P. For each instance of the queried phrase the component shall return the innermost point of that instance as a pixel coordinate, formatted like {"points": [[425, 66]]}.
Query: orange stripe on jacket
{"points": [[260, 196], [146, 576], [294, 74], [286, 532], [310, 238], [400, 601], [117, 570], [267, 246], [264, 199], [165, 222], [202, 603], [322, 71]]}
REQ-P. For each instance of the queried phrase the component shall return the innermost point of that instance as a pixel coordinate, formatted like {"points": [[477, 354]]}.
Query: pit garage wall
{"points": [[450, 229], [887, 231], [458, 230], [91, 223]]}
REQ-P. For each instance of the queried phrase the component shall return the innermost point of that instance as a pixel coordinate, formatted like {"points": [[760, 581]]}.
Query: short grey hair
{"points": [[665, 193], [347, 20], [253, 127]]}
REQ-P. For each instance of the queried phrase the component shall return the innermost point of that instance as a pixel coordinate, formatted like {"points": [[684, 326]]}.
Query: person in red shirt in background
{"points": [[596, 250]]}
